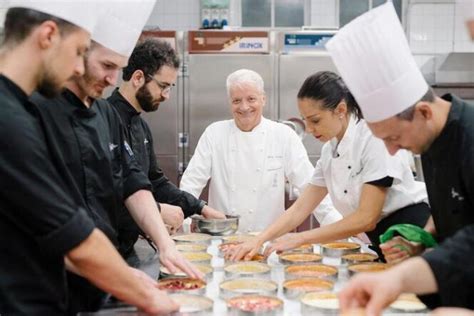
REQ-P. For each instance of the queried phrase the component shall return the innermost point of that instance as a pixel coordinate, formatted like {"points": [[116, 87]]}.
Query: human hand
{"points": [[209, 212], [283, 243], [172, 216], [245, 251], [374, 291], [159, 303], [398, 249], [144, 277], [174, 261]]}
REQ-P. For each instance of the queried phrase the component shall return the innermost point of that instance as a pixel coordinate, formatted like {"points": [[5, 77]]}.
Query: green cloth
{"points": [[411, 233]]}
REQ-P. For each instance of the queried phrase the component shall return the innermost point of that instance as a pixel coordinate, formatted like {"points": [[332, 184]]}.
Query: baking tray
{"points": [[320, 303], [295, 288], [237, 306], [338, 249], [299, 258], [321, 271], [250, 269], [306, 248], [241, 286], [215, 227]]}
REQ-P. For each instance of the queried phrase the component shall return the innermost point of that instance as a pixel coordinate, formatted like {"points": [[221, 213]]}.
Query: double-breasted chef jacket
{"points": [[41, 220], [248, 171], [361, 158]]}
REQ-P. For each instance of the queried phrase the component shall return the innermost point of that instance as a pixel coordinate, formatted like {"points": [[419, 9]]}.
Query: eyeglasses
{"points": [[165, 87]]}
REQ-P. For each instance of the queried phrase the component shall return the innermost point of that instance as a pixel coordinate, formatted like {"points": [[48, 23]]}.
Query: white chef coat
{"points": [[248, 171], [359, 158]]}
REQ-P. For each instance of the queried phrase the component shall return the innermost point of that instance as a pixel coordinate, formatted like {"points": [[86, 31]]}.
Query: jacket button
{"points": [[345, 191], [348, 167]]}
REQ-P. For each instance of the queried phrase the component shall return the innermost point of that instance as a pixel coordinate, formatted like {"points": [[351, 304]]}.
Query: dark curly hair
{"points": [[329, 88], [149, 56]]}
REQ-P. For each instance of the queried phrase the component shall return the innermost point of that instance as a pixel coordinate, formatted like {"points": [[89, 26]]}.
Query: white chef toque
{"points": [[121, 23], [372, 55], [80, 13]]}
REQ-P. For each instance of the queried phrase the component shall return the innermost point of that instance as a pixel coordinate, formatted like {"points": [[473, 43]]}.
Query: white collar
{"points": [[346, 141]]}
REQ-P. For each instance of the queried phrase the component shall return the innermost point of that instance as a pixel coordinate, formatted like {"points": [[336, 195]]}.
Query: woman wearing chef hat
{"points": [[370, 188]]}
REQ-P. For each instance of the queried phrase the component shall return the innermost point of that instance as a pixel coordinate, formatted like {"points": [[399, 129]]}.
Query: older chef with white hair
{"points": [[249, 158]]}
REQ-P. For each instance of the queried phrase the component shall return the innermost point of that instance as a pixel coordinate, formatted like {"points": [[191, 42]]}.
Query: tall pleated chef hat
{"points": [[121, 23], [372, 55], [80, 13]]}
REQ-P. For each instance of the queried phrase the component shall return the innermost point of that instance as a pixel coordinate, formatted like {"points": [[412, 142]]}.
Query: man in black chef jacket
{"points": [[148, 78], [402, 110], [42, 220], [86, 133]]}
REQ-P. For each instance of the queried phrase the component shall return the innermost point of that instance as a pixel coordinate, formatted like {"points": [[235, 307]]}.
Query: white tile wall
{"points": [[438, 29], [179, 15], [324, 13], [462, 40]]}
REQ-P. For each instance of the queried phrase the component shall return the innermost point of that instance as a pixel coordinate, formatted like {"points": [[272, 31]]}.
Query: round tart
{"points": [[311, 271], [181, 284], [194, 237], [247, 269], [308, 284], [408, 303], [323, 301], [367, 267], [255, 303], [206, 269], [294, 258], [338, 249], [238, 286], [358, 257], [192, 304], [191, 247], [202, 257]]}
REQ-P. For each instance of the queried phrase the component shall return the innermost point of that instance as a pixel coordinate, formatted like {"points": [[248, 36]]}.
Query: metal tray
{"points": [[206, 269], [292, 291], [198, 291], [193, 238], [338, 249], [367, 267], [306, 248], [190, 247], [215, 227], [193, 304], [247, 269], [299, 258], [198, 257], [324, 303], [241, 286], [233, 310], [321, 271], [354, 258]]}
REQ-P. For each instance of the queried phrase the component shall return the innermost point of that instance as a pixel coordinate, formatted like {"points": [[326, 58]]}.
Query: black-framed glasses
{"points": [[165, 87]]}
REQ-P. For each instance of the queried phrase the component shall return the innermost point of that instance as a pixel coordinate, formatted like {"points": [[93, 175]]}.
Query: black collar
{"points": [[15, 89], [81, 108]]}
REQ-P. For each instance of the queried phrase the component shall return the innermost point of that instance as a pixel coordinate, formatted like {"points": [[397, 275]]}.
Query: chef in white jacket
{"points": [[370, 188], [249, 159]]}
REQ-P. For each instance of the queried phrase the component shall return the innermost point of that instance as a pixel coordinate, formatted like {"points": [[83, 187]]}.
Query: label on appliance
{"points": [[306, 41], [228, 42], [167, 36]]}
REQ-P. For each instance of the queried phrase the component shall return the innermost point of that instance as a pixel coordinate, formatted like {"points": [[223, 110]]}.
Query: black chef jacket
{"points": [[92, 145], [448, 168], [40, 219], [140, 139], [452, 267]]}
